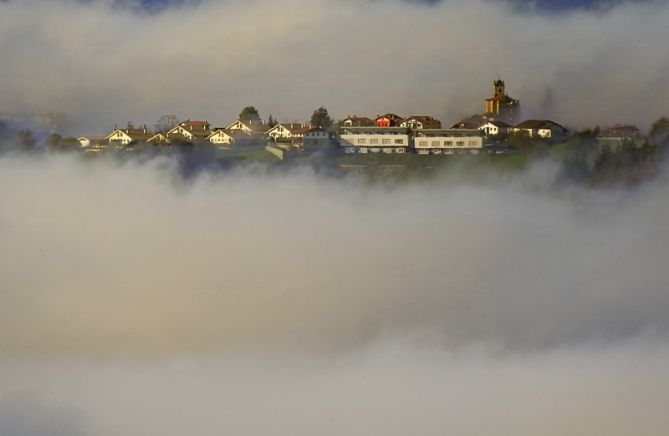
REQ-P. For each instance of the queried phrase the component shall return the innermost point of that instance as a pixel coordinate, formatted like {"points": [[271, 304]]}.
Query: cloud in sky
{"points": [[106, 65], [134, 302]]}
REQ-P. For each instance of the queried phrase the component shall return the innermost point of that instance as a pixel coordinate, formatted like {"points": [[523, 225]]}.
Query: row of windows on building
{"points": [[374, 141], [446, 143]]}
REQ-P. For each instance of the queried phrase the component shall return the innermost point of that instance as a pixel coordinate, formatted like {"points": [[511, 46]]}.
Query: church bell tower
{"points": [[499, 88]]}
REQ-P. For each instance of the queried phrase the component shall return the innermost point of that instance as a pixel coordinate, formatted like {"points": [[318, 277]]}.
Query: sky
{"points": [[106, 65]]}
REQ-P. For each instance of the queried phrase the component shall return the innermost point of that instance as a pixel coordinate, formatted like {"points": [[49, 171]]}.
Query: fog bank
{"points": [[247, 302], [102, 258]]}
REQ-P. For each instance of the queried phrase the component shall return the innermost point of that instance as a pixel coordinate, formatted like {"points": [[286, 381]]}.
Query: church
{"points": [[500, 106]]}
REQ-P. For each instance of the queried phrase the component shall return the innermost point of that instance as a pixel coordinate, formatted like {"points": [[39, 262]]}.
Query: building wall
{"points": [[120, 137], [374, 143], [221, 139], [280, 132], [180, 131], [240, 127], [448, 144]]}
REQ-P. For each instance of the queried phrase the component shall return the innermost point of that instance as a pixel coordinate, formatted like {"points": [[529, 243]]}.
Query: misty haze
{"points": [[334, 218]]}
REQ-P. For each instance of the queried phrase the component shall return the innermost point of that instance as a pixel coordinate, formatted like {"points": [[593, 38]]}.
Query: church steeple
{"points": [[499, 88], [500, 106]]}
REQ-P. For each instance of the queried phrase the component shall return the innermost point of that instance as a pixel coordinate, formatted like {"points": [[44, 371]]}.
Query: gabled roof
{"points": [[237, 122], [359, 121], [473, 122], [390, 116], [538, 124], [136, 135], [198, 131], [294, 128], [255, 128], [220, 130], [498, 123], [427, 121], [195, 124], [158, 137], [621, 131]]}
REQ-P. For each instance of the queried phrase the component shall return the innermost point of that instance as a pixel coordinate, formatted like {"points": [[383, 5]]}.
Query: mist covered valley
{"points": [[248, 301]]}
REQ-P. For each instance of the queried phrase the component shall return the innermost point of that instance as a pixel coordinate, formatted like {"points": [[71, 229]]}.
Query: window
{"points": [[461, 143], [399, 141], [386, 141], [374, 141], [472, 143], [435, 143], [422, 143], [362, 141], [448, 143]]}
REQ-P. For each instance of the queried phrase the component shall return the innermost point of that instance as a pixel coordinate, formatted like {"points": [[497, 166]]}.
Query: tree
{"points": [[26, 139], [659, 136], [54, 139], [249, 115], [320, 118], [166, 122], [271, 121]]}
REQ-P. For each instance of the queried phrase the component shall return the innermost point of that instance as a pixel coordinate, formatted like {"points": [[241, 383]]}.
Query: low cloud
{"points": [[246, 302], [98, 258], [106, 65]]}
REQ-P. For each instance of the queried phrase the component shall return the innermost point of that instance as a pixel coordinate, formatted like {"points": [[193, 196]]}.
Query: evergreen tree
{"points": [[320, 118], [249, 115]]}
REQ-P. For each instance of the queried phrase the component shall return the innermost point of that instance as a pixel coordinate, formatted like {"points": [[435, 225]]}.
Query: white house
{"points": [[87, 141], [158, 138], [543, 129], [127, 136], [246, 127], [221, 137], [494, 128], [287, 132], [317, 138], [448, 141], [190, 130], [355, 121], [416, 122], [374, 139]]}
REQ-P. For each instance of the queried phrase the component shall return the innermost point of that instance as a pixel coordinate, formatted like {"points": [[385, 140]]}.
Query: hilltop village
{"points": [[498, 141], [497, 130]]}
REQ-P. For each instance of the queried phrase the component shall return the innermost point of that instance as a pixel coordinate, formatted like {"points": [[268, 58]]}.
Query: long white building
{"points": [[374, 139], [448, 141]]}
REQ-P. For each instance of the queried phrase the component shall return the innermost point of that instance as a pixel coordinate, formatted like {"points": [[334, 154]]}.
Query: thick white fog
{"points": [[104, 65], [249, 302]]}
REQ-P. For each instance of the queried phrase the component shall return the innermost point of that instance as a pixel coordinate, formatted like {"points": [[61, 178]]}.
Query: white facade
{"points": [[286, 131], [220, 137], [180, 130], [374, 140], [158, 138], [120, 137], [493, 129], [239, 126], [544, 129], [451, 141]]}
